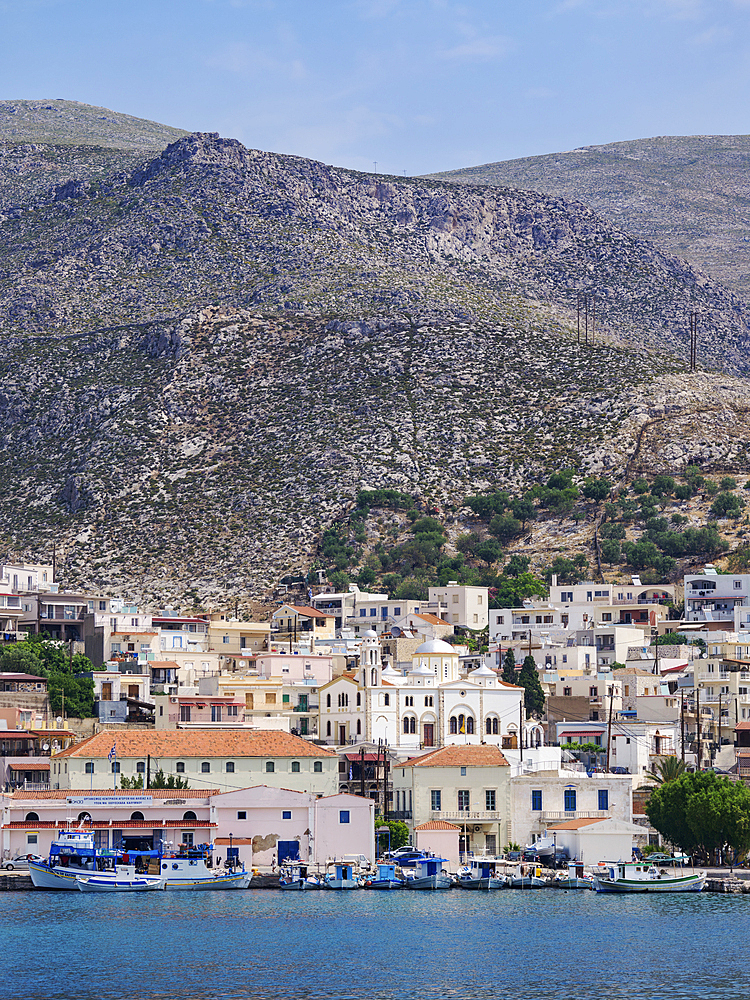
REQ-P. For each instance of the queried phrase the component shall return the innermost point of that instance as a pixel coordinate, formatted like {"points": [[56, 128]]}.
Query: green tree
{"points": [[596, 489], [504, 527], [639, 486], [667, 769], [160, 780], [611, 550], [523, 510], [135, 782], [663, 486], [399, 833], [511, 593], [702, 812], [528, 678], [516, 566], [727, 505], [488, 551], [468, 542], [509, 668]]}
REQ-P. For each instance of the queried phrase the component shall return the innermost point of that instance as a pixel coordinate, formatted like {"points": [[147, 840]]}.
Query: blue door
{"points": [[288, 850]]}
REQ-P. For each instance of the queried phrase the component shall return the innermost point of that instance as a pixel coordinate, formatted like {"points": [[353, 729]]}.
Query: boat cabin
{"points": [[386, 872], [429, 866]]}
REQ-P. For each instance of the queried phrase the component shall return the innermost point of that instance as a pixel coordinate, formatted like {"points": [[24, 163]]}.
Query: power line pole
{"points": [[609, 724]]}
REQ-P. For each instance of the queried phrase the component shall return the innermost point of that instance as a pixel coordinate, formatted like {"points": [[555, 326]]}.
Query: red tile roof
{"points": [[576, 824], [157, 793], [303, 609], [437, 824], [486, 755], [196, 743]]}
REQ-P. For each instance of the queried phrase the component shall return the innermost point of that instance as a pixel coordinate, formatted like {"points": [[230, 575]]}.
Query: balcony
{"points": [[550, 817], [467, 815], [402, 814]]}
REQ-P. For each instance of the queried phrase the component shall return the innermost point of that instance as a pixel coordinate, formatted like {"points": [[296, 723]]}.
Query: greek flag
{"points": [[112, 753]]}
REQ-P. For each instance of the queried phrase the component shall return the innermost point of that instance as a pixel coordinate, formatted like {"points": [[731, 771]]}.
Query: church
{"points": [[431, 706]]}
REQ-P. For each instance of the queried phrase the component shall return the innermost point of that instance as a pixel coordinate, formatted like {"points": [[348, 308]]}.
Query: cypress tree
{"points": [[533, 698], [509, 668]]}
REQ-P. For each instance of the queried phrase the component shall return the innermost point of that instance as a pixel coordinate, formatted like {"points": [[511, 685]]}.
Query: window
{"points": [[229, 767], [489, 800], [32, 817], [31, 838], [386, 699], [328, 703], [428, 701], [373, 612], [359, 727], [738, 584], [90, 767], [328, 728], [536, 800], [435, 798], [180, 767], [295, 767], [397, 612], [363, 612], [286, 813], [470, 725], [318, 766], [359, 699], [140, 767], [593, 692], [232, 710], [184, 713], [205, 767], [463, 800], [343, 816], [225, 640], [567, 692], [115, 767], [453, 725], [270, 767], [187, 838], [463, 772], [570, 800], [603, 799], [242, 814]]}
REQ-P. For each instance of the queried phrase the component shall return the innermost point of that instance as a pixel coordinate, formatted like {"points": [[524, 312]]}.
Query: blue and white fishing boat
{"points": [[124, 878], [386, 878], [481, 874], [295, 876], [624, 876], [527, 877], [73, 852], [191, 869], [574, 878], [429, 874], [343, 876]]}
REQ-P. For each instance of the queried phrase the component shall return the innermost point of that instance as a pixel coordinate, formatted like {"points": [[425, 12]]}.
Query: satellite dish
{"points": [[45, 746], [59, 719]]}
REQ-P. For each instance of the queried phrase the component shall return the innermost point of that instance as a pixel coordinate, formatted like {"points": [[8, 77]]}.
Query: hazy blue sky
{"points": [[416, 85]]}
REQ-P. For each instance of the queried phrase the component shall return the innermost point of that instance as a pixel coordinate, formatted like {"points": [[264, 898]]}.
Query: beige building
{"points": [[294, 624], [460, 605], [227, 636], [222, 759], [468, 786]]}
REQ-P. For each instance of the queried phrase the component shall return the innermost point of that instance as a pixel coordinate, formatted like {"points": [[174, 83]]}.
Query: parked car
{"points": [[658, 858], [21, 863], [406, 857]]}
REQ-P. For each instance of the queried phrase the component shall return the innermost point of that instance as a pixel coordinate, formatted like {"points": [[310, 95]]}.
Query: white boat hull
{"points": [[343, 883], [484, 884], [139, 883], [528, 882], [45, 877], [659, 883], [436, 881], [241, 880]]}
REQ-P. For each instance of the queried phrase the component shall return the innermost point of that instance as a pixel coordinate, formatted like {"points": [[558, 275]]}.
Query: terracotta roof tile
{"points": [[303, 609], [157, 793], [576, 824], [196, 743], [437, 824], [486, 755]]}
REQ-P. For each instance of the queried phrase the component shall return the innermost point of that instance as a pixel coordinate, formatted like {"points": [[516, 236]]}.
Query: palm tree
{"points": [[668, 769]]}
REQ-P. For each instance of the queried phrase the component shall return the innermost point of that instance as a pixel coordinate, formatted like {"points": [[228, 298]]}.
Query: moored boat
{"points": [[295, 876], [343, 876], [72, 852], [574, 878], [642, 877], [386, 878], [122, 879], [481, 874], [527, 877], [192, 869], [429, 874]]}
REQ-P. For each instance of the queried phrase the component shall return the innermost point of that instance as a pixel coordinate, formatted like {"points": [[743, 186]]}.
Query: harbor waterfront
{"points": [[395, 946]]}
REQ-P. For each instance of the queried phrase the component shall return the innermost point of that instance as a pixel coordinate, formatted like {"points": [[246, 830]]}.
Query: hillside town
{"points": [[295, 736]]}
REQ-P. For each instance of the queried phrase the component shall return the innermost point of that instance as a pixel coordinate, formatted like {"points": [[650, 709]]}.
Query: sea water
{"points": [[364, 944]]}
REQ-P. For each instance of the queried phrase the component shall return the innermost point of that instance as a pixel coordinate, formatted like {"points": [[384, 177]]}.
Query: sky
{"points": [[397, 86]]}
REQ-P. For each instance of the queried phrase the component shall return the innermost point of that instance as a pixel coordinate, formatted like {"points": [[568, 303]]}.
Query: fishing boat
{"points": [[642, 877], [124, 878], [481, 874], [192, 869], [343, 876], [429, 874], [527, 877], [295, 876], [574, 878], [543, 850], [73, 852], [386, 878]]}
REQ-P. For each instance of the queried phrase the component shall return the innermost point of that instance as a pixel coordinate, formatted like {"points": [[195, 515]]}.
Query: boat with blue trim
{"points": [[624, 876]]}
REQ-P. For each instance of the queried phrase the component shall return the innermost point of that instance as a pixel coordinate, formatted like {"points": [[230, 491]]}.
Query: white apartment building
{"points": [[466, 607], [715, 597]]}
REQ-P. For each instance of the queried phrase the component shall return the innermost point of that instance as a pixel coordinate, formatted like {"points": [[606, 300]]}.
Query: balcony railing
{"points": [[467, 815], [546, 816]]}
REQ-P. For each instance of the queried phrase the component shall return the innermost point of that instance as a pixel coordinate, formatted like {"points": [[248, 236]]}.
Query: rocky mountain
{"points": [[687, 194], [206, 353]]}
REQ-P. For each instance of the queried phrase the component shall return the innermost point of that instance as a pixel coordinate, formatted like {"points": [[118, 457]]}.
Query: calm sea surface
{"points": [[389, 945]]}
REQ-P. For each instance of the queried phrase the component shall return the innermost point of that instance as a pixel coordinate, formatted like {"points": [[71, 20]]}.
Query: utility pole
{"points": [[698, 721], [609, 724], [682, 724]]}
